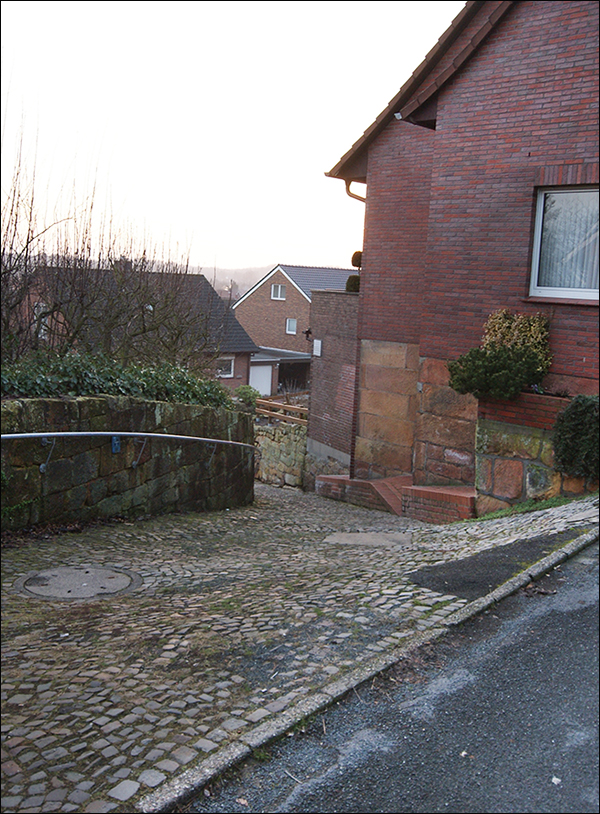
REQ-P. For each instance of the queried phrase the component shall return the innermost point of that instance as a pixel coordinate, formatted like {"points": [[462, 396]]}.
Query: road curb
{"points": [[189, 783], [524, 578]]}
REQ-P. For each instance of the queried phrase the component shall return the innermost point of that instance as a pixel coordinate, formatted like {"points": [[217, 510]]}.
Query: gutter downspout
{"points": [[352, 194], [351, 471]]}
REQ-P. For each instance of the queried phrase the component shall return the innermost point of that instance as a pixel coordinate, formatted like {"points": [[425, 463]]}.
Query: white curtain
{"points": [[569, 240]]}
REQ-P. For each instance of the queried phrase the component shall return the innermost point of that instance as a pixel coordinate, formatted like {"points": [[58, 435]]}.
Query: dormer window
{"points": [[277, 291]]}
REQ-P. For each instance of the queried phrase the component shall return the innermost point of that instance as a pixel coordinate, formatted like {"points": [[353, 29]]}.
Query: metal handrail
{"points": [[45, 436], [20, 435]]}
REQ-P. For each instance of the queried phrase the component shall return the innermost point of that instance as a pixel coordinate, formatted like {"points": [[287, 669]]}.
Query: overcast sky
{"points": [[208, 126]]}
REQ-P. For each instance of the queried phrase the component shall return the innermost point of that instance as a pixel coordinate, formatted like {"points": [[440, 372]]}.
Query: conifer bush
{"points": [[353, 283], [575, 438], [514, 354]]}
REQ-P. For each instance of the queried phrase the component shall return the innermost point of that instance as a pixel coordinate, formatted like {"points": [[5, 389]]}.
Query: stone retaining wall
{"points": [[315, 465], [87, 478], [282, 453], [514, 453]]}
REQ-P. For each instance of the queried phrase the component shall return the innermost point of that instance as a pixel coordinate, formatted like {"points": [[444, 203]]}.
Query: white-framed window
{"points": [[224, 368], [277, 291], [291, 326], [565, 244]]}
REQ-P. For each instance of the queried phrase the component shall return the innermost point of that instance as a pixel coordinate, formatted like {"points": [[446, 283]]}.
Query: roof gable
{"points": [[225, 330], [415, 101], [309, 278], [305, 279]]}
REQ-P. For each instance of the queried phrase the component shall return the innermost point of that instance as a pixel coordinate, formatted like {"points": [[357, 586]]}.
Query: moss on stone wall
{"points": [[86, 479]]}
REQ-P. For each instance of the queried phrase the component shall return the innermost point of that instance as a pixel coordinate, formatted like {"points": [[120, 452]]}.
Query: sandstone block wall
{"points": [[409, 420], [88, 478], [282, 451], [514, 453]]}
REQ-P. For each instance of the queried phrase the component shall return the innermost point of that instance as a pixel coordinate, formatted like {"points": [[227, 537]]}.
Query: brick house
{"points": [[481, 193], [276, 314], [236, 349]]}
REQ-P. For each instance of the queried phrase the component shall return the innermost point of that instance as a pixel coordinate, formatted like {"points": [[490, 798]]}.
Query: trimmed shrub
{"points": [[575, 438], [520, 330], [498, 371], [353, 283], [514, 355]]}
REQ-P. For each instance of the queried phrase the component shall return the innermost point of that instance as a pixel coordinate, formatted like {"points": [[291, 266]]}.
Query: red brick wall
{"points": [[241, 371], [528, 410], [264, 319], [440, 256], [333, 374], [395, 241]]}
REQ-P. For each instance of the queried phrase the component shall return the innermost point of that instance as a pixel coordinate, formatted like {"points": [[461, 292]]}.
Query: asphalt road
{"points": [[500, 715]]}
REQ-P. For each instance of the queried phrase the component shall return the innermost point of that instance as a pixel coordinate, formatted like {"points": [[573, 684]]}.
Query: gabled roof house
{"points": [[276, 314], [184, 305], [228, 337], [481, 187]]}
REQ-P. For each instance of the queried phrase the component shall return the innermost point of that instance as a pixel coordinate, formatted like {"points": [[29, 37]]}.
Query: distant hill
{"points": [[240, 280]]}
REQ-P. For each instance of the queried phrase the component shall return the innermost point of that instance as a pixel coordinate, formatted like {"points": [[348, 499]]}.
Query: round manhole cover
{"points": [[77, 582]]}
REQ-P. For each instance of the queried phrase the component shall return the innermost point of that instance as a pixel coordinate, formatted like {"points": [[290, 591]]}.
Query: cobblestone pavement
{"points": [[240, 623]]}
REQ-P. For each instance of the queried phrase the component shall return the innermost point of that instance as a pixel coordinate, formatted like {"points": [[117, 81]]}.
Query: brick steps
{"points": [[398, 495], [391, 491]]}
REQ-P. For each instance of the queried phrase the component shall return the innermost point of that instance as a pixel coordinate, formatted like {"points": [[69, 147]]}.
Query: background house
{"points": [[482, 193], [276, 314], [128, 314], [235, 348], [226, 340]]}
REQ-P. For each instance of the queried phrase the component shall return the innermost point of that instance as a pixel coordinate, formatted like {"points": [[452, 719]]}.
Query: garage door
{"points": [[260, 378]]}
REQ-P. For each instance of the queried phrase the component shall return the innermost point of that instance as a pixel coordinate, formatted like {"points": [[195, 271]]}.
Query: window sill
{"points": [[560, 301]]}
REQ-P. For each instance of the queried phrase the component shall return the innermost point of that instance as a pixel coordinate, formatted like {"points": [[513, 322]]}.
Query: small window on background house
{"points": [[565, 244], [277, 292], [224, 369], [290, 326]]}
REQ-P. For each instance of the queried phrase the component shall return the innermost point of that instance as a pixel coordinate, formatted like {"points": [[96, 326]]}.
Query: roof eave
{"points": [[353, 165]]}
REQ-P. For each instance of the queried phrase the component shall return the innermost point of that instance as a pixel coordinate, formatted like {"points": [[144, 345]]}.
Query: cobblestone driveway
{"points": [[239, 616]]}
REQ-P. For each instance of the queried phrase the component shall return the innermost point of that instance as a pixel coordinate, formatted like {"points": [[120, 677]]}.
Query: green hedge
{"points": [[45, 375], [247, 395], [575, 438]]}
